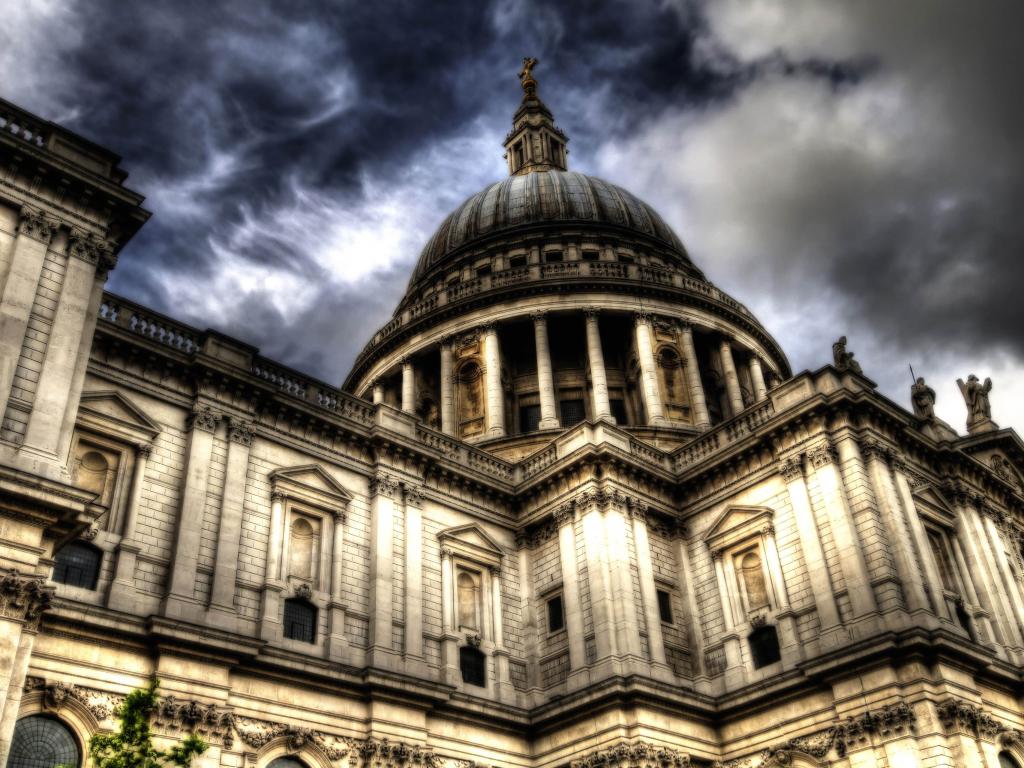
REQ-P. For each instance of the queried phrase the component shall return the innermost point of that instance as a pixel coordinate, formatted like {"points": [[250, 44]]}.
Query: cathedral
{"points": [[571, 508]]}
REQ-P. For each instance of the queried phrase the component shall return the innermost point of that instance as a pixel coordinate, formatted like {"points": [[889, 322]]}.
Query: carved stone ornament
{"points": [[258, 733], [473, 640], [303, 591], [37, 225], [413, 496], [565, 514], [383, 485], [24, 597], [636, 755], [206, 720], [872, 449], [241, 432], [822, 454], [962, 717], [89, 248], [791, 469], [90, 533], [204, 418], [56, 694]]}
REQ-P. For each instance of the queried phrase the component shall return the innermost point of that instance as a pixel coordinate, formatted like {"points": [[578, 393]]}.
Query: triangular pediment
{"points": [[930, 499], [111, 412], [738, 520], [471, 540], [311, 483]]}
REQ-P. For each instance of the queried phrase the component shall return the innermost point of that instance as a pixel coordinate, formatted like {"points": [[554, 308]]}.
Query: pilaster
{"points": [[380, 649]]}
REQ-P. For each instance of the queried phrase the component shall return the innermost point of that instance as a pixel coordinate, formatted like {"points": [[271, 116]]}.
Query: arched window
{"points": [[752, 573], [1006, 760], [469, 601], [78, 565], [286, 761], [764, 646], [472, 663], [299, 620], [43, 742], [302, 549]]}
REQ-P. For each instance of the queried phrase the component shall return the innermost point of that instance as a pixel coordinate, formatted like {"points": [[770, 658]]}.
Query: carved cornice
{"points": [[206, 720], [204, 418], [258, 733], [56, 695], [24, 598], [36, 224], [636, 755], [241, 432], [383, 485]]}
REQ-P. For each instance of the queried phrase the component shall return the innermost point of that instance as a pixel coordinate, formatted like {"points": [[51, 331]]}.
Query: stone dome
{"points": [[549, 197]]}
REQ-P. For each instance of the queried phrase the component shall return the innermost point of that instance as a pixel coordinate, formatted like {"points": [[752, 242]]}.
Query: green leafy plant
{"points": [[132, 745]]}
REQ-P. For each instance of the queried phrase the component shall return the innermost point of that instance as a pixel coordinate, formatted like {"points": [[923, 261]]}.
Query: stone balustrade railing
{"points": [[20, 124], [723, 435]]}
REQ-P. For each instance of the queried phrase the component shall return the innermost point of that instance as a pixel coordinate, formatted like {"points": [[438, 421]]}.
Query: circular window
{"points": [[42, 742]]}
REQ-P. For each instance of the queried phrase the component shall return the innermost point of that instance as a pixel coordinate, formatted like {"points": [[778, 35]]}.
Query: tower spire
{"points": [[535, 143]]}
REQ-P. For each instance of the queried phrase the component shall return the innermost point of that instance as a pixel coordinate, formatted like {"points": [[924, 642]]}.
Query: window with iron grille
{"points": [[43, 742], [299, 620], [78, 565], [472, 662], [529, 418], [572, 412]]}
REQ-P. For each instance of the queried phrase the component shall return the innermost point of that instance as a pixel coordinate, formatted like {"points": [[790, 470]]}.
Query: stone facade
{"points": [[571, 508]]}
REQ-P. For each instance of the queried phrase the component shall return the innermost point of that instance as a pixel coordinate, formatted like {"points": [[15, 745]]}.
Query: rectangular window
{"points": [[517, 261], [473, 664], [591, 256], [619, 411], [625, 258], [299, 620], [556, 614], [483, 271], [529, 418], [572, 412], [553, 257], [518, 151], [665, 606]]}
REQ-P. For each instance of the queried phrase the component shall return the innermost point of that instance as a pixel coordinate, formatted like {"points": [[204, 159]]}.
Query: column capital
{"points": [[539, 316], [591, 313], [488, 327], [89, 248], [405, 361], [241, 432], [447, 341], [143, 451], [339, 516], [447, 553], [277, 497], [822, 454], [792, 469], [204, 418], [35, 224], [872, 449], [643, 317], [412, 495], [383, 485], [565, 514], [24, 597], [726, 338]]}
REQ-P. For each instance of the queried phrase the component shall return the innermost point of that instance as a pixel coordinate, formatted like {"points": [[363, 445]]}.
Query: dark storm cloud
{"points": [[861, 163]]}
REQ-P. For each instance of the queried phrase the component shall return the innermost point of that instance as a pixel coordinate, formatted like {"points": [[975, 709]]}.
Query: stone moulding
{"points": [[207, 720], [635, 755], [56, 694], [24, 597], [959, 717]]}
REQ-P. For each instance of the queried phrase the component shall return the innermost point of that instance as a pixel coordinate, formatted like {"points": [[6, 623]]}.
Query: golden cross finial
{"points": [[526, 76]]}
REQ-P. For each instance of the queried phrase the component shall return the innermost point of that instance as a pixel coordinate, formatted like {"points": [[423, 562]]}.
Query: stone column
{"points": [[501, 660], [337, 643], [181, 602], [598, 376], [623, 602], [564, 518], [734, 672], [1007, 580], [648, 371], [35, 230], [545, 379], [924, 549], [449, 641], [844, 532], [413, 575], [447, 389], [495, 395], [732, 380], [122, 590], [810, 543], [408, 386], [380, 649], [897, 534], [23, 599], [79, 293], [273, 586], [598, 578], [222, 595], [378, 392], [757, 378], [648, 591], [698, 401], [981, 616]]}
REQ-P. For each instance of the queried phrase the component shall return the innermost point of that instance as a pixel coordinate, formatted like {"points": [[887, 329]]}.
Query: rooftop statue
{"points": [[844, 360], [979, 411], [923, 398], [526, 76]]}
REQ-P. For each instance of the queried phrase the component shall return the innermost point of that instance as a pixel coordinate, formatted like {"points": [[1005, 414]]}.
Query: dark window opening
{"points": [[517, 152], [517, 261], [591, 256], [41, 742], [665, 606], [572, 412], [483, 271], [556, 614], [625, 259], [619, 411], [764, 646], [964, 620], [556, 150], [472, 662], [1006, 760], [529, 418], [299, 620], [287, 761], [553, 257], [78, 565]]}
